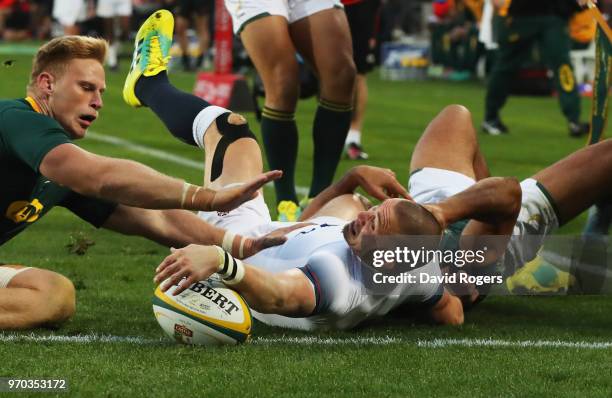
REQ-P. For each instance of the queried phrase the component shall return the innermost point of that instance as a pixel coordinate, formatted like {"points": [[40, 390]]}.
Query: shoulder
{"points": [[18, 121]]}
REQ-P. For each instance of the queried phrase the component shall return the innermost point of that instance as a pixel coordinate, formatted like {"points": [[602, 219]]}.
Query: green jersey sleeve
{"points": [[94, 211], [29, 136]]}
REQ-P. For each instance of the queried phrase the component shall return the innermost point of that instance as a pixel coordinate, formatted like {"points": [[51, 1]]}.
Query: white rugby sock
{"points": [[354, 136], [203, 120]]}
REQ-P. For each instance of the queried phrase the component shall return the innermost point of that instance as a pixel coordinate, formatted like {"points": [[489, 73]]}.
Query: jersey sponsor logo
{"points": [[22, 211], [566, 78]]}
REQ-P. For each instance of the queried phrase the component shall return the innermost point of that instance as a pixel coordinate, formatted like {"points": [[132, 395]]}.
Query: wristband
{"points": [[193, 196], [186, 186], [228, 243], [230, 269]]}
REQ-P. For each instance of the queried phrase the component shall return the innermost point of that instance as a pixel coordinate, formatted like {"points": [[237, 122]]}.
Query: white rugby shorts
{"points": [[69, 12], [8, 273], [114, 8], [537, 218], [245, 11]]}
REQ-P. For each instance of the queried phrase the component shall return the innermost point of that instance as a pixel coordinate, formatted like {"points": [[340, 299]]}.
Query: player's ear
{"points": [[45, 82]]}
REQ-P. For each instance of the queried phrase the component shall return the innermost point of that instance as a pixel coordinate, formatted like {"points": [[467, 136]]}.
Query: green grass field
{"points": [[508, 346]]}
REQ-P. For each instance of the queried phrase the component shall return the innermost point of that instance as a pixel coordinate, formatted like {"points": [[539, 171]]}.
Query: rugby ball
{"points": [[203, 314]]}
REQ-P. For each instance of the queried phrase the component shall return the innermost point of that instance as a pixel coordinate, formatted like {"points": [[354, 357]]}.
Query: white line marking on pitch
{"points": [[162, 155], [441, 343], [314, 340]]}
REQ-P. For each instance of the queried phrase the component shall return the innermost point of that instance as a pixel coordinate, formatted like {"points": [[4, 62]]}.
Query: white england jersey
{"points": [[337, 274]]}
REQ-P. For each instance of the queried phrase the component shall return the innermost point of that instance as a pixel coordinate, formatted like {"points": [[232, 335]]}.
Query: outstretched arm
{"points": [[134, 184], [178, 228], [287, 293]]}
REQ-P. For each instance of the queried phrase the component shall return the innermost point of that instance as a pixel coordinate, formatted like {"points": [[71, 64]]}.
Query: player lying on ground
{"points": [[40, 167], [312, 280], [453, 187], [315, 276]]}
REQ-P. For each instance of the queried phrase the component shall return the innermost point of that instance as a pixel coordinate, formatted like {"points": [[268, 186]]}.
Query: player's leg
{"points": [[182, 24], [323, 38], [269, 46], [187, 117], [556, 195], [555, 49], [202, 23], [514, 42], [362, 18], [579, 180], [32, 297], [449, 142]]}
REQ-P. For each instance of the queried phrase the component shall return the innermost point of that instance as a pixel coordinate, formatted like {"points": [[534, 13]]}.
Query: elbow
{"points": [[455, 319], [513, 194]]}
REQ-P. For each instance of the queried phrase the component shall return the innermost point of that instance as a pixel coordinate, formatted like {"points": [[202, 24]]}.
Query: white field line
{"points": [[162, 155], [321, 341], [441, 343]]}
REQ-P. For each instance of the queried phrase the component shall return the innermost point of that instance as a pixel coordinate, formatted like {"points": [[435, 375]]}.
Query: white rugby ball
{"points": [[203, 314]]}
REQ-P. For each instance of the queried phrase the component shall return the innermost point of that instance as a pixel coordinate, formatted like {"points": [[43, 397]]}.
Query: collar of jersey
{"points": [[33, 104]]}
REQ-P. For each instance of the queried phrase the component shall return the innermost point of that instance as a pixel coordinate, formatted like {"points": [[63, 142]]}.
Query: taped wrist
{"points": [[230, 269], [229, 133], [228, 243]]}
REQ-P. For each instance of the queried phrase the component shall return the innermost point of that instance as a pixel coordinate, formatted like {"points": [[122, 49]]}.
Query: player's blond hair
{"points": [[57, 53]]}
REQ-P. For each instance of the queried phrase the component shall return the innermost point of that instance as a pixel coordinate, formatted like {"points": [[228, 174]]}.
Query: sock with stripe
{"points": [[175, 108], [280, 139], [331, 125]]}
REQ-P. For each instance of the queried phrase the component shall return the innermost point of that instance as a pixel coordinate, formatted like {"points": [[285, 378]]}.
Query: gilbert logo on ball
{"points": [[203, 315]]}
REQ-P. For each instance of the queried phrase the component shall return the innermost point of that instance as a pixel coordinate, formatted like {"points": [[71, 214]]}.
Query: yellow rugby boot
{"points": [[539, 277], [288, 211], [151, 48]]}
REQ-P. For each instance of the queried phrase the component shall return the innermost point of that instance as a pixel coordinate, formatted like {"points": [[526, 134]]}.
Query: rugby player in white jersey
{"points": [[314, 280]]}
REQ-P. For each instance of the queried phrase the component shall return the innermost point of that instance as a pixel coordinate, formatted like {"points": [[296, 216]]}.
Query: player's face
{"points": [[76, 96], [379, 220]]}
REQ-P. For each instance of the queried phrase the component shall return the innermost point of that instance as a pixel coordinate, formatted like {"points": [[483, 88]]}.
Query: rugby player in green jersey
{"points": [[41, 168]]}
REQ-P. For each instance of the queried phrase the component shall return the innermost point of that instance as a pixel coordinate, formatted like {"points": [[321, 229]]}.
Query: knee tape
{"points": [[229, 133]]}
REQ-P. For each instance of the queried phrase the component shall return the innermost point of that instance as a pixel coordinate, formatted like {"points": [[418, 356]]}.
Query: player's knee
{"points": [[55, 301], [282, 87], [514, 193], [236, 119], [458, 111], [338, 78]]}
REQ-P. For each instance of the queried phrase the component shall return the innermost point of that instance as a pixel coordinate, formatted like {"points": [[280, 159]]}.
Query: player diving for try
{"points": [[313, 280]]}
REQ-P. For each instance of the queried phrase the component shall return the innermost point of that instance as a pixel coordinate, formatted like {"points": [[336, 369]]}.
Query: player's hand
{"points": [[230, 198], [193, 262], [380, 183], [586, 2], [277, 237]]}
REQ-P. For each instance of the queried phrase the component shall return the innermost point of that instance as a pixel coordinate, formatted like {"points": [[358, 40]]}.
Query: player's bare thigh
{"points": [[23, 278], [242, 160], [449, 142], [579, 180], [324, 40], [269, 45], [345, 207]]}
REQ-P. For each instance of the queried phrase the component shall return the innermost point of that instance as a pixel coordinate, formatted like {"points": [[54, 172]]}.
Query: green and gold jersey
{"points": [[26, 136]]}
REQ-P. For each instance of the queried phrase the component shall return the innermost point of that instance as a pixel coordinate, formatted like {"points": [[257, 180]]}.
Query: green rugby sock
{"points": [[280, 139], [331, 125]]}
